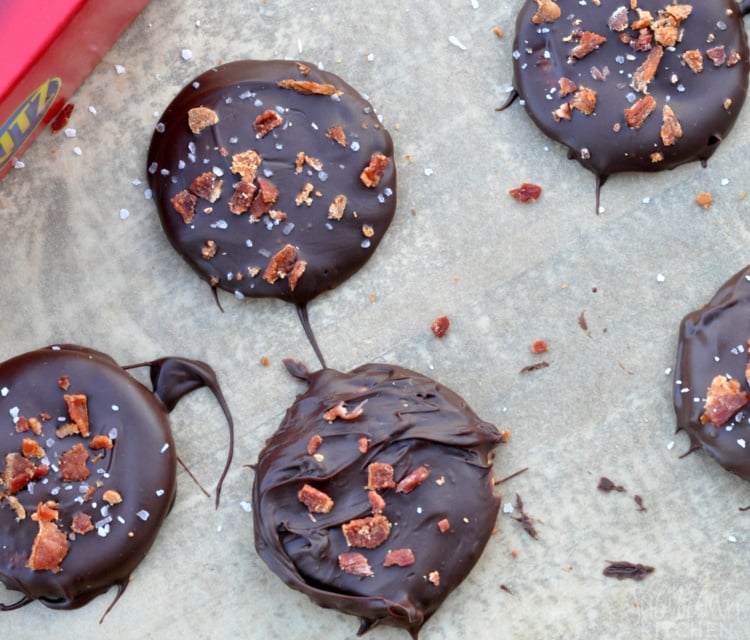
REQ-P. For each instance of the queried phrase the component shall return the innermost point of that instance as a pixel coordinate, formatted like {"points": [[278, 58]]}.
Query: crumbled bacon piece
{"points": [[694, 60], [733, 58], [51, 544], [434, 578], [671, 131], [587, 43], [567, 87], [380, 476], [264, 200], [600, 74], [440, 326], [678, 12], [31, 448], [340, 412], [209, 250], [547, 11], [337, 207], [704, 199], [111, 497], [413, 480], [201, 117], [66, 430], [81, 524], [303, 197], [307, 87], [242, 198], [355, 564], [643, 42], [363, 444], [280, 264], [207, 186], [315, 500], [444, 525], [377, 502], [314, 163], [101, 442], [35, 426], [337, 133], [645, 20], [63, 382], [267, 122], [296, 273], [563, 112], [314, 444], [645, 73], [373, 172], [723, 400], [656, 156], [527, 192], [79, 412], [717, 55], [277, 216], [367, 533], [73, 463], [539, 346], [184, 203], [16, 505], [399, 558], [584, 101], [246, 164], [618, 21], [636, 115], [17, 474]]}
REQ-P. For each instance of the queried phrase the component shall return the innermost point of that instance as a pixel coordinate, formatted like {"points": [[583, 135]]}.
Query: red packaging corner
{"points": [[47, 49]]}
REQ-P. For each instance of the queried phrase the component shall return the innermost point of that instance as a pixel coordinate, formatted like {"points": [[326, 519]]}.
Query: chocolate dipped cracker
{"points": [[632, 86], [375, 495], [87, 469]]}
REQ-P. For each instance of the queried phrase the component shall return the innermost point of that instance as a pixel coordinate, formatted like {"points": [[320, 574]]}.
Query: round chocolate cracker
{"points": [[632, 89], [272, 178], [711, 377], [87, 469], [375, 495]]}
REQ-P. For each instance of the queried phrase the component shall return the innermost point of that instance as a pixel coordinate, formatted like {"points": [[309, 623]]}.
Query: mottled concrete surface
{"points": [[505, 273]]}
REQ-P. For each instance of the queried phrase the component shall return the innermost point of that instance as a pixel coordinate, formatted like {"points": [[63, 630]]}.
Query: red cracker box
{"points": [[47, 49]]}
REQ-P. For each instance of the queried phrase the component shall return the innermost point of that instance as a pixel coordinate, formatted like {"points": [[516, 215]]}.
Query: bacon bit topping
{"points": [[547, 11], [201, 117], [539, 346], [636, 115], [368, 231], [112, 497], [584, 101], [184, 203], [723, 400], [645, 19], [374, 171], [377, 503], [66, 430], [363, 444], [588, 42], [209, 250], [207, 186], [276, 215], [73, 463], [81, 524], [303, 197], [733, 58], [31, 448], [694, 60], [527, 192], [413, 480], [355, 564], [280, 264], [63, 382], [444, 525], [242, 198], [434, 578], [563, 112], [679, 12], [567, 87], [717, 55], [380, 476], [671, 130], [296, 274], [246, 164], [337, 208], [307, 87], [367, 533], [643, 42], [22, 425], [314, 163], [267, 195], [440, 326], [315, 500], [600, 74], [16, 505], [314, 444], [337, 133], [399, 558], [618, 21], [657, 156], [79, 412], [645, 73], [704, 199], [267, 122], [340, 412], [17, 474], [50, 545]]}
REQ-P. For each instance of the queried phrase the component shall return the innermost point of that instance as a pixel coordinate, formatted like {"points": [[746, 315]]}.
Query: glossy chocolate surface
{"points": [[712, 342], [140, 466], [333, 249], [706, 104], [409, 421]]}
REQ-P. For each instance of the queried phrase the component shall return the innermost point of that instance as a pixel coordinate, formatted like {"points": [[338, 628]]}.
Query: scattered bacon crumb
{"points": [[242, 198], [246, 164], [355, 564], [399, 558], [643, 75], [380, 476], [413, 480], [207, 186], [367, 533], [201, 117], [363, 444], [79, 413], [50, 545], [671, 130], [184, 203], [264, 362], [266, 197], [296, 273], [209, 250], [81, 524], [339, 411], [31, 448], [434, 578], [17, 474], [547, 11], [303, 197], [16, 505], [336, 210], [73, 463], [704, 199], [315, 500], [377, 503], [444, 525], [267, 122], [636, 115], [337, 133], [694, 60], [618, 21], [584, 101], [539, 346], [567, 87], [307, 87], [717, 55], [527, 192], [498, 32], [733, 58], [112, 497], [440, 326], [63, 382], [280, 264], [723, 400], [373, 172], [314, 444], [588, 42]]}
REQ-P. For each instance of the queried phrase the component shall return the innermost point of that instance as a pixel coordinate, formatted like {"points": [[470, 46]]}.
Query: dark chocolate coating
{"points": [[141, 467], [239, 92], [713, 341], [541, 58], [410, 421]]}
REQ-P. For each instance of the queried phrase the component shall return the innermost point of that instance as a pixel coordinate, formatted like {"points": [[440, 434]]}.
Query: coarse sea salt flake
{"points": [[670, 445], [247, 507], [4, 391], [143, 514], [741, 442], [124, 213], [164, 447], [120, 69], [456, 43], [186, 54]]}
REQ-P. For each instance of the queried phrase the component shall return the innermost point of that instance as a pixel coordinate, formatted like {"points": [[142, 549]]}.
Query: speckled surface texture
{"points": [[505, 274]]}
